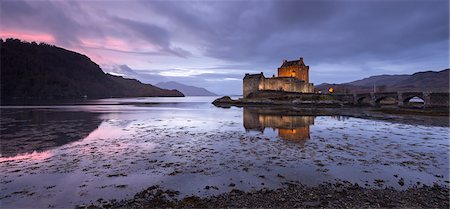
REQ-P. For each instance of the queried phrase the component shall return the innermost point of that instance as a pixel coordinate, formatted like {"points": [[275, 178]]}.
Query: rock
{"points": [[91, 207], [224, 100], [299, 196], [313, 204], [401, 182], [340, 190]]}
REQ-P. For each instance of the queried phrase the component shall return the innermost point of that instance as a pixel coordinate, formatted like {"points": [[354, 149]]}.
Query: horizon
{"points": [[160, 42]]}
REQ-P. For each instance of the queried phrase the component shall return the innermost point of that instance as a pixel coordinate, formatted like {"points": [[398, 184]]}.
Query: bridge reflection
{"points": [[289, 126]]}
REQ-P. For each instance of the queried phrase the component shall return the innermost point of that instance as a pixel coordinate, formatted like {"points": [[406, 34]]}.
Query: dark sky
{"points": [[213, 44]]}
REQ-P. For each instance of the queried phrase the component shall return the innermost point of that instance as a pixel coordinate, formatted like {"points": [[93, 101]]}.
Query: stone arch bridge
{"points": [[402, 98]]}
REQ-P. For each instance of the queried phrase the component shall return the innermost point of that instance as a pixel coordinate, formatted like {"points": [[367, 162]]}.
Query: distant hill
{"points": [[185, 89], [42, 71], [422, 81], [127, 72], [381, 80]]}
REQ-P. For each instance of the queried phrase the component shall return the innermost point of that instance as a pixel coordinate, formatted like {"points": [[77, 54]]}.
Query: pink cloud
{"points": [[27, 36], [50, 39]]}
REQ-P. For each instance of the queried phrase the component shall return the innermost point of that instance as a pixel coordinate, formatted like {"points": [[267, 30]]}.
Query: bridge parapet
{"points": [[430, 99]]}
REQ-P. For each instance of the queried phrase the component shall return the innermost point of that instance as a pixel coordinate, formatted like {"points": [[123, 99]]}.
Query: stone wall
{"points": [[300, 72], [257, 82], [251, 84], [436, 99], [288, 84]]}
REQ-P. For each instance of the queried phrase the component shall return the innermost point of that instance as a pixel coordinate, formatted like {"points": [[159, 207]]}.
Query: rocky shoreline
{"points": [[327, 195]]}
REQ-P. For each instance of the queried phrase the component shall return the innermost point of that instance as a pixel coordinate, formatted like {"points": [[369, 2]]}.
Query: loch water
{"points": [[74, 153]]}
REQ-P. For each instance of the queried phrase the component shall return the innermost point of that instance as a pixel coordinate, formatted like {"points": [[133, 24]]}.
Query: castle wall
{"points": [[293, 76], [251, 84], [300, 72], [289, 84]]}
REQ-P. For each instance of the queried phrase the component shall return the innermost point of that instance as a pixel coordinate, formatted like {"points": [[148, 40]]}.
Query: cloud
{"points": [[153, 34], [212, 42], [214, 81], [342, 33]]}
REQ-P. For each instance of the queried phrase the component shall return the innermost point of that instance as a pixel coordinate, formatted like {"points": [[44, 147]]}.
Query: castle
{"points": [[293, 76]]}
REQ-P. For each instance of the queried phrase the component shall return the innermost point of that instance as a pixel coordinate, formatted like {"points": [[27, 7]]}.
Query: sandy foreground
{"points": [[137, 158], [292, 195]]}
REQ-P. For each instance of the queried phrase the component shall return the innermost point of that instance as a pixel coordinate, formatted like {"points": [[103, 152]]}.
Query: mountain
{"points": [[426, 81], [42, 71], [122, 70], [433, 81], [125, 71], [381, 80], [185, 89]]}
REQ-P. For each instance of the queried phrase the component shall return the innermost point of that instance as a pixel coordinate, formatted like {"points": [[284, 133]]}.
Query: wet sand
{"points": [[292, 195], [203, 151]]}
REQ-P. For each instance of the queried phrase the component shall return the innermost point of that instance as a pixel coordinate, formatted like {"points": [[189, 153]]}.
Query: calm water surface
{"points": [[66, 155]]}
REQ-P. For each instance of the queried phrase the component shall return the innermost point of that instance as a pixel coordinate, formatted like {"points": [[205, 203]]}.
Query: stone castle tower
{"points": [[296, 69], [293, 76]]}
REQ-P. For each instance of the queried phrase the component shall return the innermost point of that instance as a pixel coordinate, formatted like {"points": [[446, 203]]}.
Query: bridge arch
{"points": [[363, 100], [386, 100], [413, 99], [416, 101]]}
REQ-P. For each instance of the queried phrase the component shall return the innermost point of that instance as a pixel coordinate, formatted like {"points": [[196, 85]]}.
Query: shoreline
{"points": [[411, 115], [318, 102], [326, 195]]}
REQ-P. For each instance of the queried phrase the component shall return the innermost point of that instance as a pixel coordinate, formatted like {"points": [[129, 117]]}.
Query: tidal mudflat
{"points": [[97, 151]]}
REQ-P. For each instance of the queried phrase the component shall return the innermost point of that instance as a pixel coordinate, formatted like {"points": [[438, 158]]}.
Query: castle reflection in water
{"points": [[290, 126]]}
